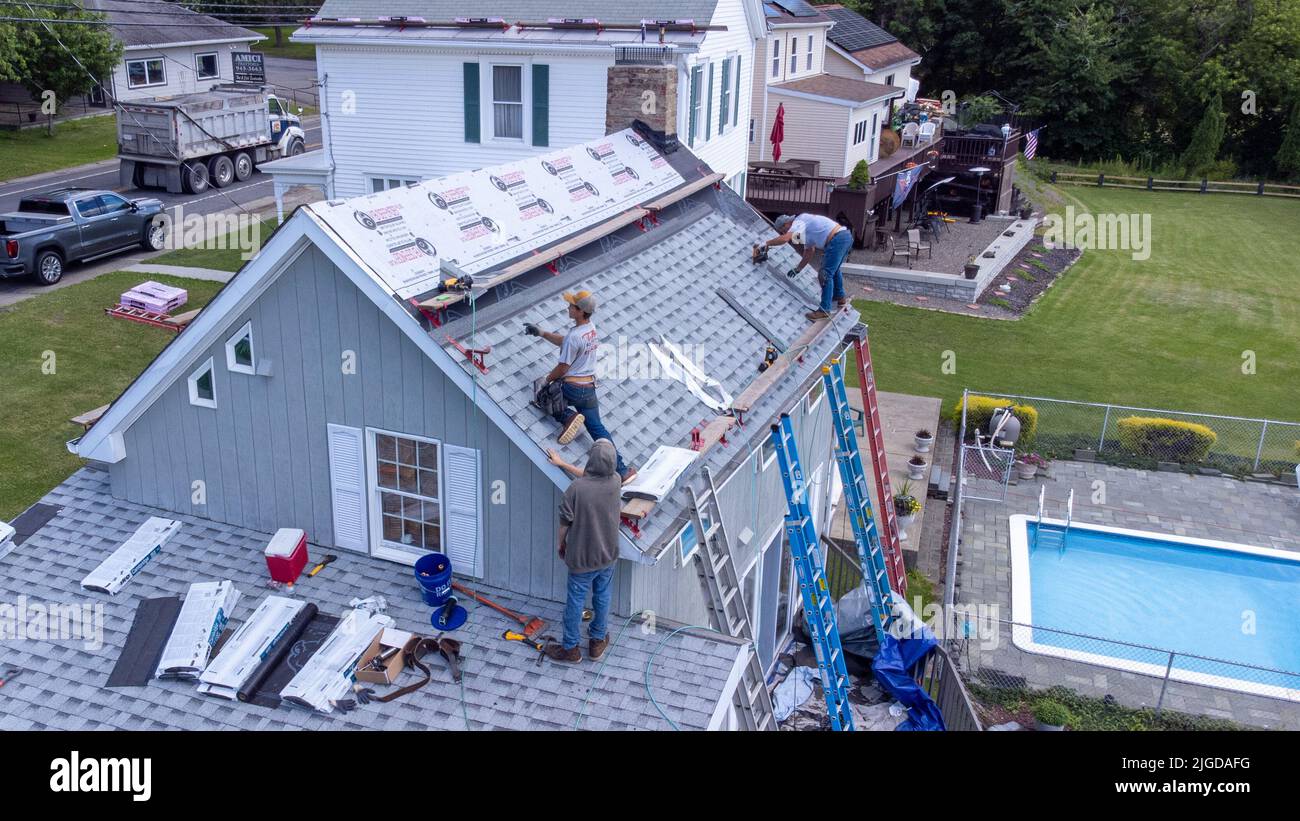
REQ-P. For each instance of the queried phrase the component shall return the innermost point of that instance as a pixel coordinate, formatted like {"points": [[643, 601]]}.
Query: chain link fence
{"points": [[1144, 438], [996, 654]]}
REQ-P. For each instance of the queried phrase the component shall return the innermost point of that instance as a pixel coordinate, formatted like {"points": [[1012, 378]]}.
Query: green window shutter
{"points": [[541, 105], [472, 118], [708, 108], [694, 105], [735, 108], [723, 111]]}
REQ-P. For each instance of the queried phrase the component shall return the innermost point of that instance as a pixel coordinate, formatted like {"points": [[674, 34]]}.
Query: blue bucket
{"points": [[433, 572]]}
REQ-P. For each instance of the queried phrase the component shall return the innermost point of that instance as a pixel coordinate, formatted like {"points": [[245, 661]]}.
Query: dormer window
{"points": [[239, 351], [203, 386]]}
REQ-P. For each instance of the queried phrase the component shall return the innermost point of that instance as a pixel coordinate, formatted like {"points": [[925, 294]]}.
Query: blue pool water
{"points": [[1168, 595]]}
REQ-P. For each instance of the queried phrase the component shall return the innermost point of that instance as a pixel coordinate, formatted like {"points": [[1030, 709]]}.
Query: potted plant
{"points": [[972, 268], [1026, 210], [923, 439], [860, 178], [1051, 716], [906, 506], [916, 468], [1027, 465]]}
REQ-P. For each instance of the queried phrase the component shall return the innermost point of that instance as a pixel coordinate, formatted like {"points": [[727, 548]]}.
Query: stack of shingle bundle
{"points": [[155, 297]]}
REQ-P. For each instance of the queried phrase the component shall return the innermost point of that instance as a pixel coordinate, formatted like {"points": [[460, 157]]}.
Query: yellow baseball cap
{"points": [[584, 301]]}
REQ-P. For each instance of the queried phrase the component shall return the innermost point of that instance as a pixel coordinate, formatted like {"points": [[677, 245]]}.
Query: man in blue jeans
{"points": [[588, 544], [576, 372], [807, 234]]}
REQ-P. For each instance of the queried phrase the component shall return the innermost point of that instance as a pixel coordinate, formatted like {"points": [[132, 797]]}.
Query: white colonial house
{"points": [[836, 76], [168, 49], [419, 89]]}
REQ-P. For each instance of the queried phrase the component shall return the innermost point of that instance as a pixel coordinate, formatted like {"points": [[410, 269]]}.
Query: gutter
{"points": [[155, 46], [481, 46]]}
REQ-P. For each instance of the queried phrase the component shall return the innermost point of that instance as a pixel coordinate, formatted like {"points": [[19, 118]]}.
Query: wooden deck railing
{"points": [[782, 190], [966, 150]]}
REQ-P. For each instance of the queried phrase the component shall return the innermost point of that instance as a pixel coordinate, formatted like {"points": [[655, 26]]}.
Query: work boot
{"points": [[596, 648], [571, 428], [842, 301], [556, 652], [817, 314]]}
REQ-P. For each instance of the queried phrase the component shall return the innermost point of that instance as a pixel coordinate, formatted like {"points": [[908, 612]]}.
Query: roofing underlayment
{"points": [[63, 684]]}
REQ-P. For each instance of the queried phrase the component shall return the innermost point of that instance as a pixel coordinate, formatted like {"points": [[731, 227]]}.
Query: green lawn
{"points": [[32, 151], [1168, 332], [95, 358], [229, 258], [297, 51]]}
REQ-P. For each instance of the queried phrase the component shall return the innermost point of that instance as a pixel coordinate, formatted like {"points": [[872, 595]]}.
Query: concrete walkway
{"points": [[210, 274]]}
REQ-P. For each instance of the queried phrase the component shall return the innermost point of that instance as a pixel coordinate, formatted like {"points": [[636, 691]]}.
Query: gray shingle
{"points": [[503, 688]]}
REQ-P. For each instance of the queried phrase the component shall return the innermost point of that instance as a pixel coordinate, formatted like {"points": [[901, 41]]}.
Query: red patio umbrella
{"points": [[778, 132]]}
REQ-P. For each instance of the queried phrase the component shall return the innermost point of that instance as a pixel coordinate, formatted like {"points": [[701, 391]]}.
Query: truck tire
{"points": [[49, 267], [194, 177], [221, 171], [243, 166], [297, 147]]}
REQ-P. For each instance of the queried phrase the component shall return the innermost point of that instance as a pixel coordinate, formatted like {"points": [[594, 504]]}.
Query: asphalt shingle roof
{"points": [[701, 11], [159, 23], [870, 44], [840, 88], [63, 683]]}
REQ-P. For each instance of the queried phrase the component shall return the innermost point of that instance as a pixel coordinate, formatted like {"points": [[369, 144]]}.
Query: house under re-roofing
{"points": [[333, 386]]}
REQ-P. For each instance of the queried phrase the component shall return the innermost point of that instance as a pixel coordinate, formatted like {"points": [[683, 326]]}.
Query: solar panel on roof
{"points": [[853, 32], [797, 8]]}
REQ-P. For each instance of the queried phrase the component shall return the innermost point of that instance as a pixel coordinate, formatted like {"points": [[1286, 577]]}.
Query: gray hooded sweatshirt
{"points": [[591, 508]]}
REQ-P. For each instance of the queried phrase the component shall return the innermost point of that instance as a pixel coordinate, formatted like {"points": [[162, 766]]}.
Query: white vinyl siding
{"points": [[462, 510], [348, 487], [725, 153]]}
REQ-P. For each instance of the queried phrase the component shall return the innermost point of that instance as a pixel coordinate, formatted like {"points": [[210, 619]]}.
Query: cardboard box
{"points": [[388, 640]]}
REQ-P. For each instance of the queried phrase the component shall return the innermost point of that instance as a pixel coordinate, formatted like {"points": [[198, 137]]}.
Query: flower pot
{"points": [[1026, 470], [1026, 212], [904, 522], [922, 444], [916, 472], [972, 271]]}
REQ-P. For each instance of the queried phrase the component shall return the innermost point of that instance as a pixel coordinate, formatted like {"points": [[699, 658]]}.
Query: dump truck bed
{"points": [[192, 126]]}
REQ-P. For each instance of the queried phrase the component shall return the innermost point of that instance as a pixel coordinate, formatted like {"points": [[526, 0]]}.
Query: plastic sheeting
{"points": [[793, 691], [894, 665]]}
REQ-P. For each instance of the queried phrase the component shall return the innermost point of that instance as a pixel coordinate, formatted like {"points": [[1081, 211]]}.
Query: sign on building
{"points": [[248, 66]]}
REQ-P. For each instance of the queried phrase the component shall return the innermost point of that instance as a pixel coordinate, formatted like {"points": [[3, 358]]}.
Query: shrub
{"points": [[981, 410], [861, 176], [1169, 440], [1052, 712]]}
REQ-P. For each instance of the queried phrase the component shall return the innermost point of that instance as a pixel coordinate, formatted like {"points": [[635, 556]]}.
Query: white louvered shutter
{"points": [[348, 487], [462, 520]]}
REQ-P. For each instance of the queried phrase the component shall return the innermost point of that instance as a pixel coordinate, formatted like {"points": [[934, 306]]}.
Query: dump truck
{"points": [[187, 142]]}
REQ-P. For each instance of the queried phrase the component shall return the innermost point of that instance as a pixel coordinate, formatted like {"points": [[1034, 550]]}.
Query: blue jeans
{"points": [[583, 397], [601, 585], [837, 250]]}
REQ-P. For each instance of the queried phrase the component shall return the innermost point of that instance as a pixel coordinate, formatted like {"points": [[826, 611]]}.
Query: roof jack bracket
{"points": [[476, 356], [631, 525], [435, 317]]}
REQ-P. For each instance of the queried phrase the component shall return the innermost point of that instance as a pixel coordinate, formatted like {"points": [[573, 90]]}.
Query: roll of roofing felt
{"points": [[278, 654]]}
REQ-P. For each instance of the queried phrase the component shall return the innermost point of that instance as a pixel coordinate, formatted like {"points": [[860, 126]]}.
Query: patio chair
{"points": [[909, 134], [925, 134], [914, 244], [895, 252]]}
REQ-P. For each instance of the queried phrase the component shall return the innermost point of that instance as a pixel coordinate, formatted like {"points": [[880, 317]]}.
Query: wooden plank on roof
{"points": [[89, 417], [637, 508], [755, 390], [685, 191], [182, 319]]}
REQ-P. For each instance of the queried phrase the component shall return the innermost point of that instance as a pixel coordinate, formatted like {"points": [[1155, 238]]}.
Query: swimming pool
{"points": [[1153, 591]]}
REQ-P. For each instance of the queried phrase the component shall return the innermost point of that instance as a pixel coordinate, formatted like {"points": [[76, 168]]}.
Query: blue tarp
{"points": [[894, 664]]}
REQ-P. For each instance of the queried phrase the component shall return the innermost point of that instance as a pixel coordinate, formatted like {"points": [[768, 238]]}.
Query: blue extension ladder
{"points": [[866, 532], [818, 607]]}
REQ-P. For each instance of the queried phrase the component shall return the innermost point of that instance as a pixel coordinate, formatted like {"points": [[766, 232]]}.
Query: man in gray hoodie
{"points": [[588, 543]]}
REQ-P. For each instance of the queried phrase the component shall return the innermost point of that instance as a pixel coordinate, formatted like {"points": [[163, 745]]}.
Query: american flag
{"points": [[1031, 144]]}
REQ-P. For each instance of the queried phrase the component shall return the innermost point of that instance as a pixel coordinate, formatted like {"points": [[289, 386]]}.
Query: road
{"points": [[257, 189]]}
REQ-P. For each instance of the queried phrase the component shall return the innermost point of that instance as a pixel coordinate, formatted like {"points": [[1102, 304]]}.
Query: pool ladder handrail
{"points": [[1069, 517], [1038, 528]]}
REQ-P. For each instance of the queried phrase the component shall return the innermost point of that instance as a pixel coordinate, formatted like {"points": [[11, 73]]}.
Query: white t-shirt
{"points": [[578, 350]]}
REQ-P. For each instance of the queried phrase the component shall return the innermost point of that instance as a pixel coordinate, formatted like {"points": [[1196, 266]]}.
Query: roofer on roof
{"points": [[809, 233], [576, 373], [588, 544]]}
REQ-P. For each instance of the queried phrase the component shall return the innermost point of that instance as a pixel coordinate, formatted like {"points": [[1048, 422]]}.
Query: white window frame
{"points": [[872, 135], [216, 61], [809, 403], [811, 52], [387, 180], [695, 104], [162, 65], [765, 461], [794, 55], [525, 103], [776, 57], [232, 363], [193, 382], [379, 547], [860, 132]]}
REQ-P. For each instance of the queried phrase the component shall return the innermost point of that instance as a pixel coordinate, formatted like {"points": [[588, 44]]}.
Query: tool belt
{"points": [[548, 397], [423, 646]]}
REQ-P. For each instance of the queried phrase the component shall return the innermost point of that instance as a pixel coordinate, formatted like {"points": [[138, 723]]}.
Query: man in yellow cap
{"points": [[576, 372]]}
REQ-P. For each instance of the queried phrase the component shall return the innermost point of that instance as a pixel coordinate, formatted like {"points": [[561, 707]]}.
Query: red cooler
{"points": [[286, 554]]}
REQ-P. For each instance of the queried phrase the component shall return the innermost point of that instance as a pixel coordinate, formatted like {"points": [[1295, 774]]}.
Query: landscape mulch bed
{"points": [[1031, 273]]}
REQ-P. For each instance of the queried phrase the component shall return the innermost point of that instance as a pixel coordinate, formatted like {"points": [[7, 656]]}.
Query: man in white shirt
{"points": [[576, 372], [809, 233]]}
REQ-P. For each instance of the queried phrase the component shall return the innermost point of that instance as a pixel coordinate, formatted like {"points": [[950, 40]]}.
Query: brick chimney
{"points": [[641, 92]]}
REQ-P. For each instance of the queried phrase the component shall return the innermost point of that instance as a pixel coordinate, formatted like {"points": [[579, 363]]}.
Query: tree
{"points": [[1288, 156], [1203, 149], [11, 64], [66, 59]]}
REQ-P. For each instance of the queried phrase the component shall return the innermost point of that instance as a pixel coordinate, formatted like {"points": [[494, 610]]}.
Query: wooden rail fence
{"points": [[1202, 186]]}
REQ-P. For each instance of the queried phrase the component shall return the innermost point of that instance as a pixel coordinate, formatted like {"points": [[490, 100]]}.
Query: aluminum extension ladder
{"points": [[874, 429], [818, 607], [727, 611], [866, 532]]}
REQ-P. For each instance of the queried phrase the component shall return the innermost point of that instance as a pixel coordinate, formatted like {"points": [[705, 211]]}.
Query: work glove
{"points": [[792, 273], [532, 330]]}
